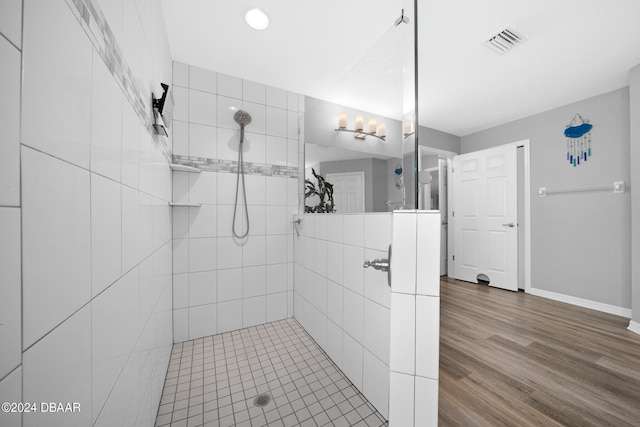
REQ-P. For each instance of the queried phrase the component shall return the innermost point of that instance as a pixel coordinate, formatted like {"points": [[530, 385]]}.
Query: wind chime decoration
{"points": [[578, 133]]}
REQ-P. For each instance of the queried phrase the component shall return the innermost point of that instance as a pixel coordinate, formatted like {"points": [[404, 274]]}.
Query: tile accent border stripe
{"points": [[94, 24], [231, 166]]}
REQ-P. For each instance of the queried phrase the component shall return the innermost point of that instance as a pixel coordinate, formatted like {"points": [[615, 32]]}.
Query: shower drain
{"points": [[262, 400]]}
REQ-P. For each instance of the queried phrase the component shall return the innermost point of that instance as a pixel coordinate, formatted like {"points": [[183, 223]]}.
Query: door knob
{"points": [[511, 224]]}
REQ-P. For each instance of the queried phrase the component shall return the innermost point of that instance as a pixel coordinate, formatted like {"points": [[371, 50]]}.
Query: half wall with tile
{"points": [[344, 307]]}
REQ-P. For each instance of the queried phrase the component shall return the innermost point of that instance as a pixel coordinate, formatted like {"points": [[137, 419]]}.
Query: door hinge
{"points": [[453, 213], [454, 257]]}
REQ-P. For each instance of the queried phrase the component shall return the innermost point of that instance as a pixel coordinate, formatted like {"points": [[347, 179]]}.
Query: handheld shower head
{"points": [[242, 118]]}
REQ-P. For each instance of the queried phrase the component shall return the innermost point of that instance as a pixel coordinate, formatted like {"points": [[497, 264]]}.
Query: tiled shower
{"points": [[222, 283], [108, 257]]}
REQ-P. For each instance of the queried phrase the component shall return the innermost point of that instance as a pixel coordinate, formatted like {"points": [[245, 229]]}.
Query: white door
{"points": [[348, 191], [485, 213]]}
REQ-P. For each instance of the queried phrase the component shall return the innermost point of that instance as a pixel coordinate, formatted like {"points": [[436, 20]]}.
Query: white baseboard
{"points": [[594, 305], [634, 327]]}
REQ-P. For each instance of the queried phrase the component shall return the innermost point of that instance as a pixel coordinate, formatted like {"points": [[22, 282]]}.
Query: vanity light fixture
{"points": [[257, 19], [373, 129]]}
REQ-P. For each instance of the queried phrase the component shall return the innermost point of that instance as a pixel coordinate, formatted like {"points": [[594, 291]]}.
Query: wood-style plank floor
{"points": [[513, 359]]}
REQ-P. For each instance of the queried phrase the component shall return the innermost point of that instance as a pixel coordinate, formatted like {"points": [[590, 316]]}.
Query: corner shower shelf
{"points": [[185, 205], [183, 168]]}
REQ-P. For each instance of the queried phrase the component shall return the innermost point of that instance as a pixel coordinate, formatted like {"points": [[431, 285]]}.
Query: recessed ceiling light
{"points": [[257, 19]]}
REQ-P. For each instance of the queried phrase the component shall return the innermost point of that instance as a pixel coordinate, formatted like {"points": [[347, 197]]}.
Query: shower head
{"points": [[242, 118]]}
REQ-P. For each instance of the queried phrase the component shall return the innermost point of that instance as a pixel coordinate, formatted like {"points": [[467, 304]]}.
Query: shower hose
{"points": [[240, 173]]}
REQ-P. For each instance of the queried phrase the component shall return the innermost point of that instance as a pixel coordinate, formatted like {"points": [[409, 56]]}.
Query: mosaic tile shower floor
{"points": [[213, 381]]}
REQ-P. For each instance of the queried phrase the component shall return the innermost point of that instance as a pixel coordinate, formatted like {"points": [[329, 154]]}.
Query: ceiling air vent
{"points": [[505, 40]]}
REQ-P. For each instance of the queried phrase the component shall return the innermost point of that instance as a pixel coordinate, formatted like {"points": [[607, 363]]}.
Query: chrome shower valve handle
{"points": [[377, 264]]}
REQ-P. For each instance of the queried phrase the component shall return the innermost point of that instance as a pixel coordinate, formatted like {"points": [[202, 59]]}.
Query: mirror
{"points": [[365, 173]]}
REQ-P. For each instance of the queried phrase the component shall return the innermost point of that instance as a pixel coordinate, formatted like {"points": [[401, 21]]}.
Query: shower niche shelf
{"points": [[183, 168], [185, 205]]}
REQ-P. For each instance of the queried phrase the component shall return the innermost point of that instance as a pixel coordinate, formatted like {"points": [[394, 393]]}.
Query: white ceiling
{"points": [[349, 52]]}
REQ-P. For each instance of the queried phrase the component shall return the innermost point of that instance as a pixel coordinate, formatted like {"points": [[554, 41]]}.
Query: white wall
{"points": [[581, 242], [222, 283], [344, 307], [94, 221]]}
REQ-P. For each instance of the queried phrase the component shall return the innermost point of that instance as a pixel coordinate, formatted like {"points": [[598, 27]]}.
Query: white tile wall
{"points": [[352, 360], [11, 391], [353, 271], [277, 97], [415, 320], [202, 288], [403, 332], [427, 336], [354, 315], [428, 276], [334, 342], [375, 381], [254, 311], [251, 274], [56, 247], [354, 230], [201, 79], [402, 400], [202, 318], [229, 284], [403, 261], [113, 338], [11, 21], [203, 140], [277, 306], [229, 86], [335, 303], [106, 233], [9, 110], [58, 368], [56, 118], [258, 119], [124, 401], [346, 314], [276, 278], [106, 122], [230, 315], [10, 303], [131, 131], [97, 297], [426, 412], [181, 324], [180, 134], [253, 92], [181, 290], [253, 281], [376, 340], [202, 254]]}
